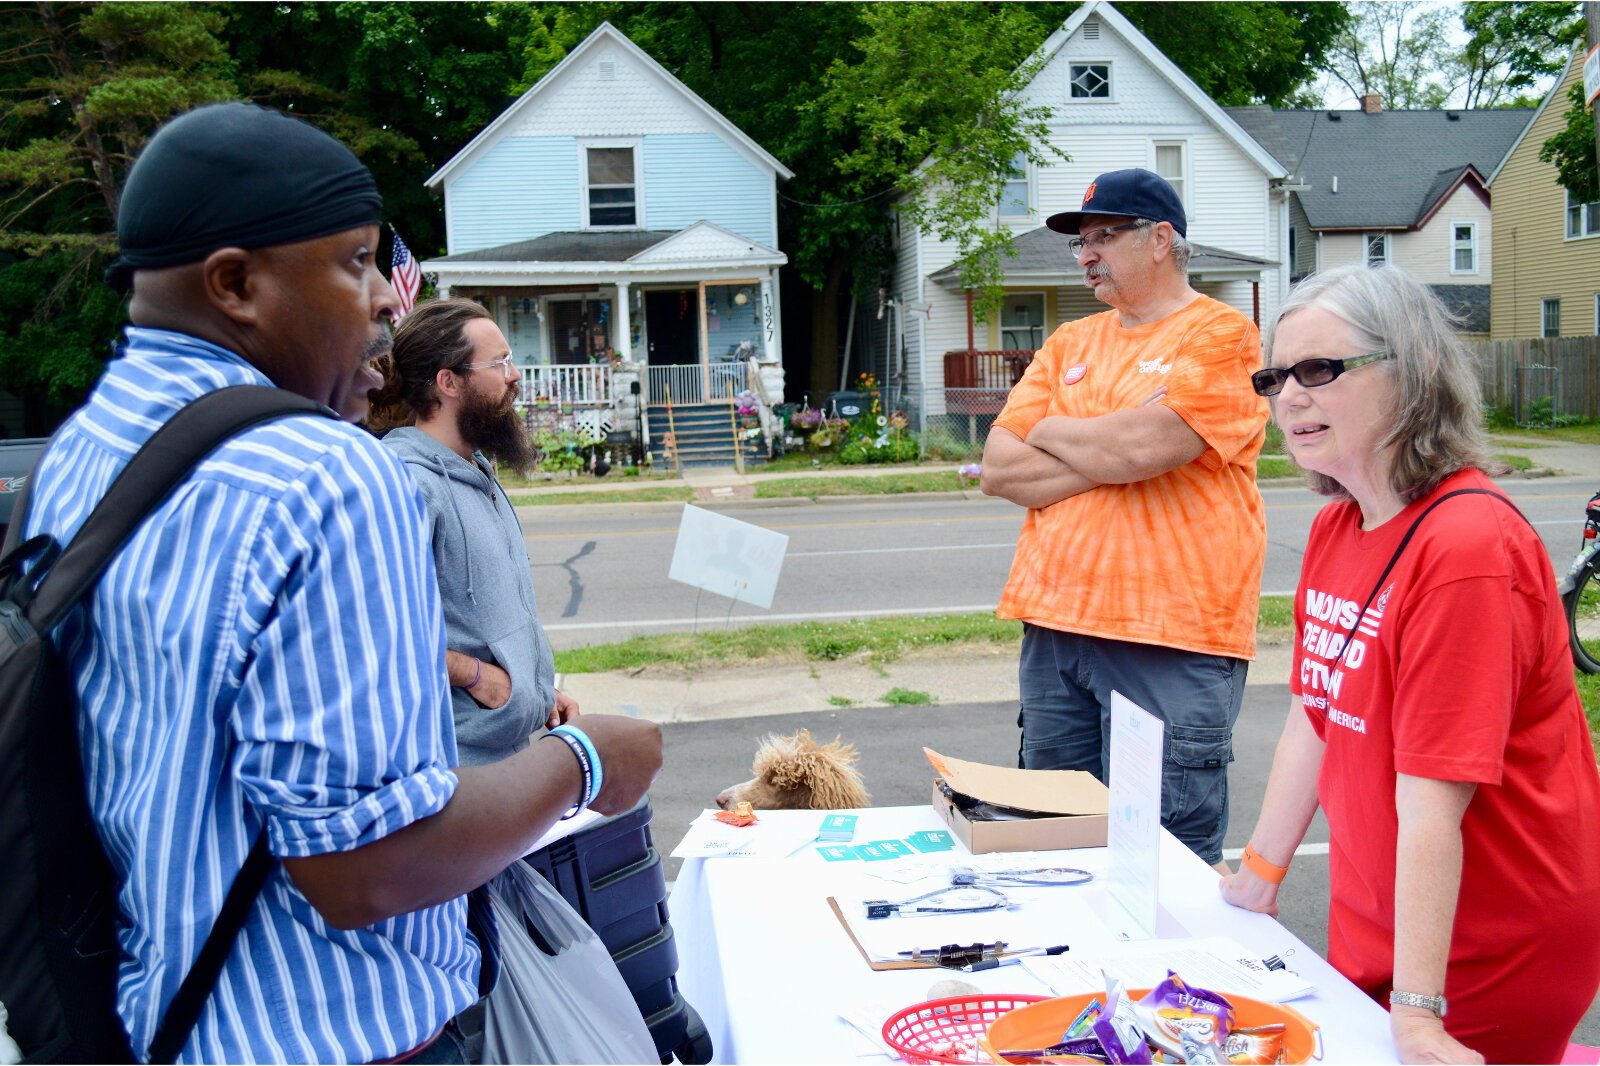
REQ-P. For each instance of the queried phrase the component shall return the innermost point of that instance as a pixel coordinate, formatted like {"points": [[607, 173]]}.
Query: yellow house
{"points": [[1546, 248]]}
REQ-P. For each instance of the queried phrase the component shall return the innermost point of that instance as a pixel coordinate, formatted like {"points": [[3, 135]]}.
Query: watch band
{"points": [[1416, 999], [1267, 871]]}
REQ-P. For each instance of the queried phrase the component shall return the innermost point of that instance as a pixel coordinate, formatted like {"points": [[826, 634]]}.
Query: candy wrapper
{"points": [[1173, 1008], [1201, 1048], [1118, 1027], [1259, 1046], [1083, 1024]]}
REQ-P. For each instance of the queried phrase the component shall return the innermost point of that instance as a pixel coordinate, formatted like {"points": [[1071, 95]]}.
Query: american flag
{"points": [[404, 276]]}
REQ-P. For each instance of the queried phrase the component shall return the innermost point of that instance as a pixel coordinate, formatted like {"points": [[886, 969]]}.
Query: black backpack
{"points": [[58, 948]]}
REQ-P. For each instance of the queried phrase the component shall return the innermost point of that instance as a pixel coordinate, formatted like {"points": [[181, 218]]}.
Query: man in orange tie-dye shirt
{"points": [[1132, 440]]}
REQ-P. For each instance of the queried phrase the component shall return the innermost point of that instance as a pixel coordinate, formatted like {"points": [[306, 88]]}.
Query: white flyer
{"points": [[1133, 835], [731, 558], [1217, 963]]}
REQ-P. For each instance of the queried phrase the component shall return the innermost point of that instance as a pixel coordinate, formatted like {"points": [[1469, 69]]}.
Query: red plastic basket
{"points": [[947, 1030]]}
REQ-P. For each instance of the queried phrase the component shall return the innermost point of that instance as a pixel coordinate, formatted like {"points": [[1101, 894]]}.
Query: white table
{"points": [[768, 966]]}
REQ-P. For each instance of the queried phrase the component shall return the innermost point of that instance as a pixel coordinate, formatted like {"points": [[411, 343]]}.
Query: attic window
{"points": [[612, 188], [608, 70], [1090, 81], [1091, 30]]}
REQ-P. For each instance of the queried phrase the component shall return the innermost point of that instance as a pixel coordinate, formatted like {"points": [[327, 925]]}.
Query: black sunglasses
{"points": [[1309, 372]]}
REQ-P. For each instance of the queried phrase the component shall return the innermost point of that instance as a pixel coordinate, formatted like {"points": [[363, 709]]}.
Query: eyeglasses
{"points": [[1309, 372], [502, 364], [1099, 237]]}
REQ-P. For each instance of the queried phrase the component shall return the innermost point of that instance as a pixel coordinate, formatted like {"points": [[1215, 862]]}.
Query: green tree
{"points": [[1572, 150], [81, 88], [1398, 50], [1512, 46]]}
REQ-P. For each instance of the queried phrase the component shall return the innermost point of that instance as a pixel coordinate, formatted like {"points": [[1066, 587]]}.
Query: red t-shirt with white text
{"points": [[1459, 671]]}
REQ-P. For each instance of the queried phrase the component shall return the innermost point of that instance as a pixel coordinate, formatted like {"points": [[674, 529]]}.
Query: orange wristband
{"points": [[1269, 872]]}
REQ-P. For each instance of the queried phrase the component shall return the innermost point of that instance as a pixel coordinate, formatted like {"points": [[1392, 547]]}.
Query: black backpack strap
{"points": [[184, 1011], [1395, 558], [148, 479], [164, 461]]}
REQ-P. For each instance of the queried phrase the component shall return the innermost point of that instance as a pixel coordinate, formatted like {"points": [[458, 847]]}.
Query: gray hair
{"points": [[1181, 248], [1436, 421]]}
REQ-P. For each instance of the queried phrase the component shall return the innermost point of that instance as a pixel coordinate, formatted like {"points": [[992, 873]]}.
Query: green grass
{"points": [[1515, 462], [905, 697], [1500, 420], [878, 640], [879, 485], [1520, 445], [841, 701], [1275, 615], [1589, 692], [1271, 466], [645, 495]]}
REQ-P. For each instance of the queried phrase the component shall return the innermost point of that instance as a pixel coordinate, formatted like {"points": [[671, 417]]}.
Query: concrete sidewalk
{"points": [[1550, 457], [967, 674]]}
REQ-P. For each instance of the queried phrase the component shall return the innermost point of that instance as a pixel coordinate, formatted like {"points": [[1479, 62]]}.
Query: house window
{"points": [[1089, 81], [1583, 220], [1014, 199], [1550, 318], [1169, 164], [612, 188], [1463, 247], [1377, 245], [1022, 322]]}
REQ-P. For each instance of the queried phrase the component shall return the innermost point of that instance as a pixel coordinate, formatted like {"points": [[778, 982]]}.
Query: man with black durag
{"points": [[268, 649]]}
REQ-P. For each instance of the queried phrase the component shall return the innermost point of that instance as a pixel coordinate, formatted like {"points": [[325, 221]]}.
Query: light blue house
{"points": [[624, 233]]}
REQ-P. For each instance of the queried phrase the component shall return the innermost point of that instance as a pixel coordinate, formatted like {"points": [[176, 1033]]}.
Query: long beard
{"points": [[495, 429]]}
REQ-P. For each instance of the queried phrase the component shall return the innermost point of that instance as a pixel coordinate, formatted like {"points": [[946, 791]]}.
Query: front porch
{"points": [[608, 326]]}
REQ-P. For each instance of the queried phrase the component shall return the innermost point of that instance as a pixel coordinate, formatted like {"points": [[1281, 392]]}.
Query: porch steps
{"points": [[704, 437]]}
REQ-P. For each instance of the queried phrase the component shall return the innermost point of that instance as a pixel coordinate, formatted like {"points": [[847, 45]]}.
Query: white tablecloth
{"points": [[768, 966]]}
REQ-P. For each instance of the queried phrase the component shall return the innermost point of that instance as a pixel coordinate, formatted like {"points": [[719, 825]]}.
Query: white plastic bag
{"points": [[572, 1006]]}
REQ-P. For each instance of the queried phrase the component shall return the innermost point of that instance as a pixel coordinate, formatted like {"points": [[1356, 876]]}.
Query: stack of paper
{"points": [[1216, 963]]}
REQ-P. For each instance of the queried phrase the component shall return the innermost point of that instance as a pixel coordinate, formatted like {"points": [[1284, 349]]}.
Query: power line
{"points": [[841, 203]]}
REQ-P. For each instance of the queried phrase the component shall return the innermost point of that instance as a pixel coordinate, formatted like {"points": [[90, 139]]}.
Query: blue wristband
{"points": [[571, 732], [585, 797]]}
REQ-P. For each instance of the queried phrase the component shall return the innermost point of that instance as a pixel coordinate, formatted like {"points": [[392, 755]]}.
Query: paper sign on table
{"points": [[1217, 963], [708, 838], [1133, 835], [726, 556]]}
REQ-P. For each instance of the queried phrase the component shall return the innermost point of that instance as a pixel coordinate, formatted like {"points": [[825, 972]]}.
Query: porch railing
{"points": [[570, 384], [694, 384], [966, 369]]}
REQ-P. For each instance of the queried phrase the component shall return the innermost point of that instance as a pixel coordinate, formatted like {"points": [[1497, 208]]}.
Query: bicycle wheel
{"points": [[1583, 619]]}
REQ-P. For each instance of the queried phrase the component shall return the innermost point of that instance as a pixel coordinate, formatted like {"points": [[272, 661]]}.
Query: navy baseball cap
{"points": [[1135, 193]]}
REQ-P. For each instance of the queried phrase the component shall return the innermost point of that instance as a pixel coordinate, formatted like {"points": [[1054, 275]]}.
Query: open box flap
{"points": [[1071, 792]]}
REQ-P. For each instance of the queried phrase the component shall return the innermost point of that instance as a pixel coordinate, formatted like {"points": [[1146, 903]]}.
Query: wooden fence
{"points": [[1575, 384]]}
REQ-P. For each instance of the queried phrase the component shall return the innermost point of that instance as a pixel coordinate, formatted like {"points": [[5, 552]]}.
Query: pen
{"points": [[1015, 956]]}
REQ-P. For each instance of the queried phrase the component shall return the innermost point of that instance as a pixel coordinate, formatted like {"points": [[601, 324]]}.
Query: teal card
{"points": [[837, 827], [935, 840], [894, 848], [871, 852], [837, 853]]}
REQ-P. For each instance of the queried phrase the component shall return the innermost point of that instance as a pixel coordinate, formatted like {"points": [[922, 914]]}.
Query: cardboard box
{"points": [[1071, 806]]}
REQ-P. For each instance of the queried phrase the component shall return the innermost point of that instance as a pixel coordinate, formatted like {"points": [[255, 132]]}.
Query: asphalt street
{"points": [[704, 757], [601, 572]]}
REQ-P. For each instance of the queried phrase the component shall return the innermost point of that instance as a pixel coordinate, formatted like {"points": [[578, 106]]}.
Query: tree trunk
{"points": [[66, 74], [825, 331]]}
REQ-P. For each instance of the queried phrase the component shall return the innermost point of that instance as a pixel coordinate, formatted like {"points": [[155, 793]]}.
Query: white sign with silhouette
{"points": [[728, 557]]}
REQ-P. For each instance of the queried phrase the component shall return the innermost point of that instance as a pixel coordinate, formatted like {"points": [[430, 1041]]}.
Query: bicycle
{"points": [[1580, 594]]}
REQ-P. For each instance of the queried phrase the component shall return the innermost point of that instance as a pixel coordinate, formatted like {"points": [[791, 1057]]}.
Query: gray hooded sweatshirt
{"points": [[487, 590]]}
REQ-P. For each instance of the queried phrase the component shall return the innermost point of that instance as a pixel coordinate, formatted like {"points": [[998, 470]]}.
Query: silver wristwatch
{"points": [[1414, 999]]}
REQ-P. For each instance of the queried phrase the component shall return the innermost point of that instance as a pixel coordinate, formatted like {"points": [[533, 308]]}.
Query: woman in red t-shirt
{"points": [[1433, 713]]}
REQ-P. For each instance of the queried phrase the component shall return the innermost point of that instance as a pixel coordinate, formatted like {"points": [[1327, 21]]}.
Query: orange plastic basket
{"points": [[1042, 1025], [948, 1030]]}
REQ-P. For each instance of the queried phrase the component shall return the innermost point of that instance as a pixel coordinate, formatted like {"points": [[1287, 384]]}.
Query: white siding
{"points": [[1427, 253], [634, 101]]}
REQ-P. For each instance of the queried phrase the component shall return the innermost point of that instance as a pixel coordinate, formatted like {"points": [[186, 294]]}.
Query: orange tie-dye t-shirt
{"points": [[1174, 560]]}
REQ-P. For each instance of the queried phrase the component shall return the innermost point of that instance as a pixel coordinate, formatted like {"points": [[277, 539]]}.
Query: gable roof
{"points": [[1576, 59], [1393, 167], [1169, 71], [605, 33]]}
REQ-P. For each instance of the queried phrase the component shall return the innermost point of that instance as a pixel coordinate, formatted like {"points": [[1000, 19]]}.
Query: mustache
{"points": [[377, 347], [1098, 270]]}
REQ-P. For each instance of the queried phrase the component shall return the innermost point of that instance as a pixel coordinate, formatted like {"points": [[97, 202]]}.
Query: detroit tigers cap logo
{"points": [[1088, 194], [1074, 374]]}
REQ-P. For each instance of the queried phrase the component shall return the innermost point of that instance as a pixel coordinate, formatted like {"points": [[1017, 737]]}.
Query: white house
{"points": [[1116, 102], [624, 233]]}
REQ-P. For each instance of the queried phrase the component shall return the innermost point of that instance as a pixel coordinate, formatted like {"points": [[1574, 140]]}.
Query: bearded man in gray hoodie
{"points": [[452, 375]]}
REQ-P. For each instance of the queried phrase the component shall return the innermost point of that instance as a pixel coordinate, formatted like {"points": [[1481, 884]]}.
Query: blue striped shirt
{"points": [[269, 647]]}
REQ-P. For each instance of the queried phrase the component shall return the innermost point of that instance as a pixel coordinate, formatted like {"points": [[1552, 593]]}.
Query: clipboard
{"points": [[877, 964]]}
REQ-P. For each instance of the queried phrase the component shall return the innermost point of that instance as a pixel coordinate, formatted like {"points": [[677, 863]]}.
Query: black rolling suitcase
{"points": [[612, 875]]}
